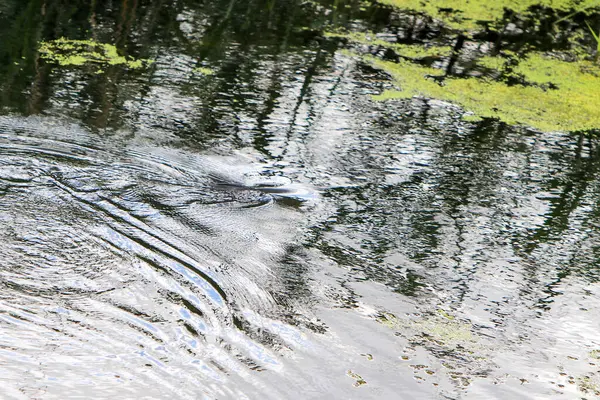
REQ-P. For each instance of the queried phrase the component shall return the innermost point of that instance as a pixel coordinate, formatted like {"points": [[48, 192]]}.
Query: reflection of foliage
{"points": [[371, 236], [67, 52]]}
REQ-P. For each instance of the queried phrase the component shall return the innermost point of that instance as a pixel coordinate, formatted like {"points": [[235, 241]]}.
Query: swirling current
{"points": [[127, 262]]}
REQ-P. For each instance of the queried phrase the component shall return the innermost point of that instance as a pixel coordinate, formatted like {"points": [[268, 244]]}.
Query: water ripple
{"points": [[133, 265]]}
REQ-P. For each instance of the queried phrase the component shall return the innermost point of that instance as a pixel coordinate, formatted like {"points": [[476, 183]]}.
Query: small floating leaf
{"points": [[368, 355], [204, 71]]}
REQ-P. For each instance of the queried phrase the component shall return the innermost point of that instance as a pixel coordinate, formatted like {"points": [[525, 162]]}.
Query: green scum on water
{"points": [[70, 52]]}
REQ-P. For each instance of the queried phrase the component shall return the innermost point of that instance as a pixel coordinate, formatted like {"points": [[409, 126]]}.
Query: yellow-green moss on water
{"points": [[444, 330], [467, 14], [569, 104], [491, 62], [555, 94], [68, 52], [573, 76], [405, 50], [204, 71]]}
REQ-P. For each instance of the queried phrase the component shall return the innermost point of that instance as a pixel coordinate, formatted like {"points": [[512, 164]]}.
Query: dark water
{"points": [[270, 232]]}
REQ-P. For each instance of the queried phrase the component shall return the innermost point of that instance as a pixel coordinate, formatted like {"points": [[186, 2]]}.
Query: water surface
{"points": [[267, 230]]}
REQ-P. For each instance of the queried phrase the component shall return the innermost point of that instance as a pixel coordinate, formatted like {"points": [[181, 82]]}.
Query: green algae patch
{"points": [[448, 333], [589, 385], [203, 71], [489, 62], [445, 314], [572, 76], [68, 52], [443, 330], [465, 354], [404, 50], [556, 95], [412, 79], [468, 15], [595, 354]]}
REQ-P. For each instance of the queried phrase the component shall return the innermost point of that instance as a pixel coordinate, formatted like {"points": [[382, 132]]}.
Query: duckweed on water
{"points": [[68, 52], [555, 94], [204, 71], [490, 62], [444, 330], [445, 314], [588, 385], [466, 15], [442, 333], [561, 95]]}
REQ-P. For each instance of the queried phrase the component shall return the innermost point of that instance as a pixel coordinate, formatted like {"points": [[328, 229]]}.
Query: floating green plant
{"points": [[467, 15], [203, 71], [554, 94], [558, 95], [491, 62], [465, 352], [589, 385], [445, 314], [444, 330], [68, 52]]}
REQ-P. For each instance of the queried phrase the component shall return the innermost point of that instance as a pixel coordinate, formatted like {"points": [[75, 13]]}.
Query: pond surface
{"points": [[238, 219]]}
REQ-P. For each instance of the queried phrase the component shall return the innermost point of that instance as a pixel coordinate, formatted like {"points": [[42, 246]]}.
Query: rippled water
{"points": [[270, 232]]}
